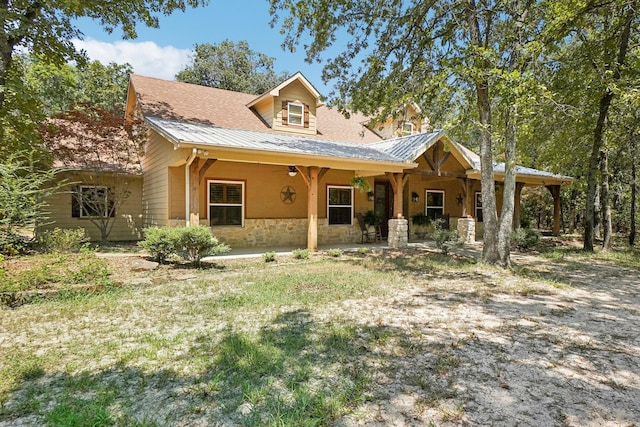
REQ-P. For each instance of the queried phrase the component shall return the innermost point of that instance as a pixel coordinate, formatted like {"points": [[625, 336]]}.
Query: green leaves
{"points": [[231, 66]]}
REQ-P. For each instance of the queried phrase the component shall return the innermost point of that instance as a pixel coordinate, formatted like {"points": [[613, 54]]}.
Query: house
{"points": [[277, 169]]}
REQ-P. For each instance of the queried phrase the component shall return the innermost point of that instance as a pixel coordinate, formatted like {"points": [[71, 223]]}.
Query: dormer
{"points": [[407, 121], [289, 107]]}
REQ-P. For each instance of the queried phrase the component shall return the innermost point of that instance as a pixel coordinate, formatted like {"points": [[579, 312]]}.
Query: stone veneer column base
{"points": [[467, 230], [398, 233]]}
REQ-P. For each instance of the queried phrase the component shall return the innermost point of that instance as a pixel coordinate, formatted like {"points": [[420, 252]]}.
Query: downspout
{"points": [[187, 187]]}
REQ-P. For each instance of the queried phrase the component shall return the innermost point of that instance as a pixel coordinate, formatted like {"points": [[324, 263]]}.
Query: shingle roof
{"points": [[218, 107], [215, 136], [204, 115]]}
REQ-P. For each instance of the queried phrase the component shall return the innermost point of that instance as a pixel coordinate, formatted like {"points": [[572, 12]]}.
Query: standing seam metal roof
{"points": [[182, 132]]}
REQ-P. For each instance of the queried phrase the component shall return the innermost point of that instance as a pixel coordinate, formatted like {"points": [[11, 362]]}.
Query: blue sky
{"points": [[165, 51]]}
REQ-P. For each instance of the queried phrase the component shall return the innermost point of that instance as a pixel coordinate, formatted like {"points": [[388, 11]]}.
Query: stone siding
{"points": [[283, 232]]}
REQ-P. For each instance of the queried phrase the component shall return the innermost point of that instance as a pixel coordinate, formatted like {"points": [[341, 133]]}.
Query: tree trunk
{"points": [[490, 254], [634, 192], [605, 201], [605, 102], [508, 192]]}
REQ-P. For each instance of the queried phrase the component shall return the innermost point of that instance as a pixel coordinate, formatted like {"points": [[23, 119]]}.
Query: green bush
{"points": [[192, 243], [198, 242], [445, 239], [62, 240], [524, 238], [301, 253], [336, 252], [269, 256], [160, 242]]}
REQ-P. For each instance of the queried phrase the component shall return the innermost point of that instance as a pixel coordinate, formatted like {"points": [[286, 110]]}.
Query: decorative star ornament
{"points": [[288, 195]]}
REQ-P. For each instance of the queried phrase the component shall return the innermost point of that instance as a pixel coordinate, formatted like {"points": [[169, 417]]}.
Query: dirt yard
{"points": [[554, 343]]}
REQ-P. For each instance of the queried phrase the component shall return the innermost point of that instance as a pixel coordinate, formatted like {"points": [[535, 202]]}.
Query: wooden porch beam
{"points": [[194, 192], [516, 205], [203, 169], [312, 176], [437, 173], [398, 181], [555, 192]]}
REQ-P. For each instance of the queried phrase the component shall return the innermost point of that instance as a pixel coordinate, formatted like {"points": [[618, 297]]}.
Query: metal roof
{"points": [[404, 149], [409, 147], [183, 132]]}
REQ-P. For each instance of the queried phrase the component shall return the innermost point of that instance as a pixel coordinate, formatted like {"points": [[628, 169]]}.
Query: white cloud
{"points": [[147, 58]]}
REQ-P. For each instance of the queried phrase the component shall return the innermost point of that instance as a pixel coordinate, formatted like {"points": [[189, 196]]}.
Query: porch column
{"points": [[398, 180], [194, 192], [311, 176], [555, 192], [516, 205]]}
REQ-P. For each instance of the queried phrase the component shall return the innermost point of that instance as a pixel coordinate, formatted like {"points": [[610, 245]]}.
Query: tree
{"points": [[429, 47], [106, 149], [46, 27], [23, 190], [231, 66]]}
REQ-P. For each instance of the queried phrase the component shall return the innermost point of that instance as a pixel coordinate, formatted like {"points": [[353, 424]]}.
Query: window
{"points": [[407, 128], [434, 204], [226, 203], [478, 203], [296, 114], [340, 205], [91, 201]]}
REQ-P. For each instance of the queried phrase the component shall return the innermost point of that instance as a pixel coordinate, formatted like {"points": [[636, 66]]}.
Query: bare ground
{"points": [[556, 344]]}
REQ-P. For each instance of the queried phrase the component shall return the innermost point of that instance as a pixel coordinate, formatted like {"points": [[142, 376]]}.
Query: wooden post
{"points": [[555, 192], [516, 205], [311, 177], [397, 180], [194, 192]]}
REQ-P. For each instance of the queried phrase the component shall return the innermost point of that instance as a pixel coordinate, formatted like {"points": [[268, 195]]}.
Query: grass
{"points": [[252, 344]]}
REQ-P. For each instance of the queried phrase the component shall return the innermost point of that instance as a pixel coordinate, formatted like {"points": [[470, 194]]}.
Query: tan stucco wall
{"points": [[128, 220]]}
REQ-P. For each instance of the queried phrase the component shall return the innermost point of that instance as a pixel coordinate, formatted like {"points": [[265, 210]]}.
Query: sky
{"points": [[164, 51]]}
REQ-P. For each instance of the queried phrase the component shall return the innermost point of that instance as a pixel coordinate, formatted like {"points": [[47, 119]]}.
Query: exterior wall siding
{"points": [[128, 220], [159, 155]]}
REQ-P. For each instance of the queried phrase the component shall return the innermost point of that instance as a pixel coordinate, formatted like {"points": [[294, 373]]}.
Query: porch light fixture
{"points": [[414, 197], [292, 171], [370, 196]]}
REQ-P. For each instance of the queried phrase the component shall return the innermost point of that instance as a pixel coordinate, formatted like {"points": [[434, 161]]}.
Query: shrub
{"points": [[445, 239], [198, 242], [160, 242], [524, 238], [336, 252], [301, 253], [62, 240], [269, 256], [192, 243]]}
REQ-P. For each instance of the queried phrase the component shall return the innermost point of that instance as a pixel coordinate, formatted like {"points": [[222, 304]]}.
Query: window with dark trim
{"points": [[478, 206], [226, 203], [434, 204], [340, 205], [92, 201]]}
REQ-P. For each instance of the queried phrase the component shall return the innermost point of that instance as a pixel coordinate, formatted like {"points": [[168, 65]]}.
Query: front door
{"points": [[383, 204]]}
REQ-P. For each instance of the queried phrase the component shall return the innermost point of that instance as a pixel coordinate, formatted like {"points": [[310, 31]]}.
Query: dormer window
{"points": [[407, 128], [296, 114]]}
